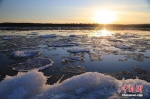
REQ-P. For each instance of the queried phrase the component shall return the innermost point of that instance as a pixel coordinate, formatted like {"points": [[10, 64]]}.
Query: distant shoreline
{"points": [[70, 26]]}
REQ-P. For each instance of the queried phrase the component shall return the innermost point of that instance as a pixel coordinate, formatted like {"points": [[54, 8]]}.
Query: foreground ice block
{"points": [[90, 85]]}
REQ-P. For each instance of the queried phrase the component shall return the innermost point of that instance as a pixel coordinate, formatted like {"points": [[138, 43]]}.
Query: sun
{"points": [[104, 16]]}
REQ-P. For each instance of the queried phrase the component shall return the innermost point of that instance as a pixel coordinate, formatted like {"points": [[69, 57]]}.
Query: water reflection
{"points": [[103, 32]]}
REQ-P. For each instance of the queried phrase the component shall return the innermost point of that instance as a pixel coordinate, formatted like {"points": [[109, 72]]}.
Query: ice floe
{"points": [[19, 43], [129, 35], [23, 54], [138, 73], [77, 50], [33, 33], [136, 56], [7, 38], [62, 44], [95, 57], [73, 69], [90, 85], [39, 63], [123, 46], [72, 35], [64, 61], [47, 36]]}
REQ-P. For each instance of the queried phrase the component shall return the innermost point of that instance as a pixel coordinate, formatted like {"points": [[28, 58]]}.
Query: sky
{"points": [[74, 11]]}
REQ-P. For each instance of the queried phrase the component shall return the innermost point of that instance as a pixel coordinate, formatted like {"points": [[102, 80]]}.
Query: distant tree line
{"points": [[69, 25]]}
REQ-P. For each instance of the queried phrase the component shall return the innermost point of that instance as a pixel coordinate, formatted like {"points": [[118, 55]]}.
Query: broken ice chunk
{"points": [[33, 33], [123, 46], [77, 50], [72, 35], [25, 53], [73, 69], [47, 36], [95, 57], [62, 44], [7, 38], [35, 63]]}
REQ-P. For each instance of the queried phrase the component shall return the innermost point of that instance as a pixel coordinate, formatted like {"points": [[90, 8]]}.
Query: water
{"points": [[109, 64]]}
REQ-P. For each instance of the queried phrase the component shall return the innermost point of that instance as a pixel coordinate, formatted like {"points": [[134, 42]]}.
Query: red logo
{"points": [[132, 89]]}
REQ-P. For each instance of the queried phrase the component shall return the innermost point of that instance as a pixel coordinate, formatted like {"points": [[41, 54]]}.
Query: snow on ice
{"points": [[90, 85]]}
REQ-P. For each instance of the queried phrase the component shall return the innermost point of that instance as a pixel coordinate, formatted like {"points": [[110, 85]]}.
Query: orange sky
{"points": [[78, 11]]}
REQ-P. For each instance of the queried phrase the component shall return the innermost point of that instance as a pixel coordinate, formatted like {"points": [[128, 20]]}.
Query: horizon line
{"points": [[73, 23]]}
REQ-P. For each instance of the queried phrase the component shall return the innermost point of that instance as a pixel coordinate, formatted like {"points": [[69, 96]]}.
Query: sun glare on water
{"points": [[103, 32], [104, 16]]}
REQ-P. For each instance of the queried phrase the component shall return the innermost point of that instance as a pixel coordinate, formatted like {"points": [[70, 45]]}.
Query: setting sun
{"points": [[104, 16]]}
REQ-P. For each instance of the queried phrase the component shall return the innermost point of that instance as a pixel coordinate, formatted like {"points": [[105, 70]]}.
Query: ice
{"points": [[19, 54], [33, 33], [72, 35], [136, 56], [95, 57], [46, 66], [47, 36], [7, 38], [123, 46], [39, 63], [75, 58], [128, 35], [62, 44], [80, 90], [73, 69], [90, 85], [22, 86], [77, 50], [20, 42]]}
